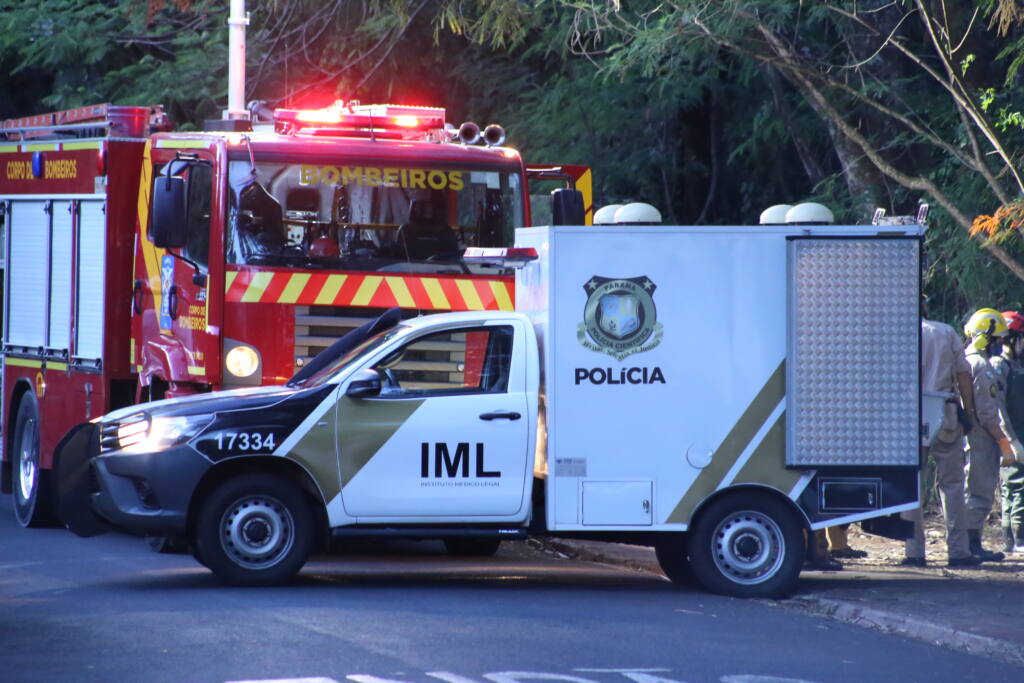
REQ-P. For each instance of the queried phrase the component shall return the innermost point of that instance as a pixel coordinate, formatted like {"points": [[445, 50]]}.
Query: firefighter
{"points": [[944, 369], [1012, 476], [989, 445]]}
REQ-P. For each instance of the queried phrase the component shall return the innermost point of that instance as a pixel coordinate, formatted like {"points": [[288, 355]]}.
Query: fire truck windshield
{"points": [[368, 217]]}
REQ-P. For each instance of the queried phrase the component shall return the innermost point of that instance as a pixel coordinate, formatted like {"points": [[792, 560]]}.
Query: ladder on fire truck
{"points": [[93, 121]]}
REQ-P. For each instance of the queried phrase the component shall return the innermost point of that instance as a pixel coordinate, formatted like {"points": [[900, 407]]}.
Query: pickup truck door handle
{"points": [[500, 415]]}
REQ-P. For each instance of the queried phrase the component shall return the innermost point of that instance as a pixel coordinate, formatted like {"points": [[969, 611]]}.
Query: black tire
{"points": [[472, 547], [31, 491], [166, 545], [674, 561], [749, 545], [255, 530]]}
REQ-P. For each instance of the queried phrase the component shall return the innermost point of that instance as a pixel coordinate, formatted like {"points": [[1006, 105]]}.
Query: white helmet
{"points": [[809, 213], [606, 214], [638, 213], [775, 215]]}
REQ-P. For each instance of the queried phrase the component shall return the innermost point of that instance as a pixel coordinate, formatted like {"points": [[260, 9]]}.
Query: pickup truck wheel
{"points": [[748, 545], [31, 497], [254, 530], [472, 547], [672, 557]]}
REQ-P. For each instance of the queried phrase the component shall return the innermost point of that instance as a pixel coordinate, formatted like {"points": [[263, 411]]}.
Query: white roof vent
{"points": [[638, 213], [809, 213], [606, 214], [775, 215]]}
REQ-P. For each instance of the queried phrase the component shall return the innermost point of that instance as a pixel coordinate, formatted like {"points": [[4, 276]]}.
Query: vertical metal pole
{"points": [[237, 22]]}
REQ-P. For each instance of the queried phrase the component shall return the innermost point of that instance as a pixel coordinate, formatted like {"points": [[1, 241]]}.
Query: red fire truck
{"points": [[143, 263]]}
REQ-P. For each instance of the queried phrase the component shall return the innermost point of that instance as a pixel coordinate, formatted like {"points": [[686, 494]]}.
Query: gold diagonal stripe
{"points": [[401, 291], [256, 287], [733, 445], [367, 288], [500, 291], [296, 283], [330, 290], [469, 295], [767, 464], [437, 298]]}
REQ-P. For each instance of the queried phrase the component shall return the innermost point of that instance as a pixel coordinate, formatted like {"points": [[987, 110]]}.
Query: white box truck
{"points": [[718, 393]]}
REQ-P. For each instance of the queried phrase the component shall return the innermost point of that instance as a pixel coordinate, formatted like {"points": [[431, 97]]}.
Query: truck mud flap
{"points": [[71, 469]]}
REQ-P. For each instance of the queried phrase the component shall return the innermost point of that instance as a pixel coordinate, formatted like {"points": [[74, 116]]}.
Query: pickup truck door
{"points": [[448, 435]]}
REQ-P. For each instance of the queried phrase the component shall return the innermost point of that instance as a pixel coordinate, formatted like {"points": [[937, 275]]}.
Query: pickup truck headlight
{"points": [[159, 433]]}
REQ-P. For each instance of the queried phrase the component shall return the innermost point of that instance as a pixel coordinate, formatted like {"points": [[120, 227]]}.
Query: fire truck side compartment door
{"points": [[91, 272], [27, 273], [448, 438], [59, 338]]}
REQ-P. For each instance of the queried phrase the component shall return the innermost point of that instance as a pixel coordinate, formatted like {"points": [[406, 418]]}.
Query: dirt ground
{"points": [[884, 552]]}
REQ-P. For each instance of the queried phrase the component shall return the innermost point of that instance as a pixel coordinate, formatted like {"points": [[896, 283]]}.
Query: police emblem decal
{"points": [[619, 317]]}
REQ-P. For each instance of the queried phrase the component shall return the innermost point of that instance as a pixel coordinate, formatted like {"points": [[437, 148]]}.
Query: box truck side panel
{"points": [[664, 364]]}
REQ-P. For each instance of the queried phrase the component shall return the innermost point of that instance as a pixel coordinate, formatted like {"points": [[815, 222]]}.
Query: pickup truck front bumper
{"points": [[142, 493]]}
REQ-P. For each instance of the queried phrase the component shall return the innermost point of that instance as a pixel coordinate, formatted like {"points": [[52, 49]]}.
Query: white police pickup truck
{"points": [[714, 392]]}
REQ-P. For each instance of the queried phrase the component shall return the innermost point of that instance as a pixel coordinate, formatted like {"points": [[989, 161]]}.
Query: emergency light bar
{"points": [[384, 120], [502, 257]]}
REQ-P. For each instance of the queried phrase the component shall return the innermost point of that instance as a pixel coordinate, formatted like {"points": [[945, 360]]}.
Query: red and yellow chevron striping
{"points": [[435, 293]]}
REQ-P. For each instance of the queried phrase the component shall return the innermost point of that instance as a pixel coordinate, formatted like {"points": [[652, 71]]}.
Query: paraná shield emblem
{"points": [[619, 317]]}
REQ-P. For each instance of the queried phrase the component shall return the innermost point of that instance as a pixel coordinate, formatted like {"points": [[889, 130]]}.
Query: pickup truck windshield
{"points": [[368, 217], [324, 375]]}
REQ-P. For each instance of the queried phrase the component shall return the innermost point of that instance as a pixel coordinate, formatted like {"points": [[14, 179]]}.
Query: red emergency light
{"points": [[374, 120], [503, 257]]}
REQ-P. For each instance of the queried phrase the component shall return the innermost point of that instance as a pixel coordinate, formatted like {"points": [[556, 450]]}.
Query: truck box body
{"points": [[681, 361]]}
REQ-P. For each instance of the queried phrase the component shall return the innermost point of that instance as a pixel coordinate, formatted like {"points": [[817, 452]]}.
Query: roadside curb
{"points": [[910, 627], [642, 559]]}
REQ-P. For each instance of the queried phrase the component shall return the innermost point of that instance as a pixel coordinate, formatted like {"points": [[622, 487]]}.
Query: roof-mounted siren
{"points": [[809, 213], [637, 213], [469, 133], [606, 214], [775, 215], [494, 135]]}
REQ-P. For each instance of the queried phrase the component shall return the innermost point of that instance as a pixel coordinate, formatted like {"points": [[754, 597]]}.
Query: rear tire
{"points": [[255, 530], [749, 545], [472, 547], [31, 494]]}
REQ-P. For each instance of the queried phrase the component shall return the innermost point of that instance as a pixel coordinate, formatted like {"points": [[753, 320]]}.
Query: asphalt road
{"points": [[107, 609]]}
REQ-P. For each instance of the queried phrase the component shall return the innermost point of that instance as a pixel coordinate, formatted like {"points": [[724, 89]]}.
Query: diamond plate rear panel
{"points": [[853, 370]]}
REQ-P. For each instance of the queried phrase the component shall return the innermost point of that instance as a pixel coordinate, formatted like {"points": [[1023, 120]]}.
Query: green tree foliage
{"points": [[710, 109]]}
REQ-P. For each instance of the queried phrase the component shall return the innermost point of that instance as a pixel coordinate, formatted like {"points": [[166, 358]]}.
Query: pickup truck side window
{"points": [[462, 361]]}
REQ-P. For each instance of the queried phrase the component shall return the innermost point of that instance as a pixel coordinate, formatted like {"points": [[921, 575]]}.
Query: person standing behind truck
{"points": [[989, 445], [944, 369], [1012, 476]]}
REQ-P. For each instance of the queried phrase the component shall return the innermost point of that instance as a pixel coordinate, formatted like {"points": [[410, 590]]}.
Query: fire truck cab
{"points": [[144, 263]]}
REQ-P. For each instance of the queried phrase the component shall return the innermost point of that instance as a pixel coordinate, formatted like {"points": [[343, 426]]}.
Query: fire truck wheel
{"points": [[749, 545], [472, 547], [255, 529], [31, 495], [672, 557]]}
